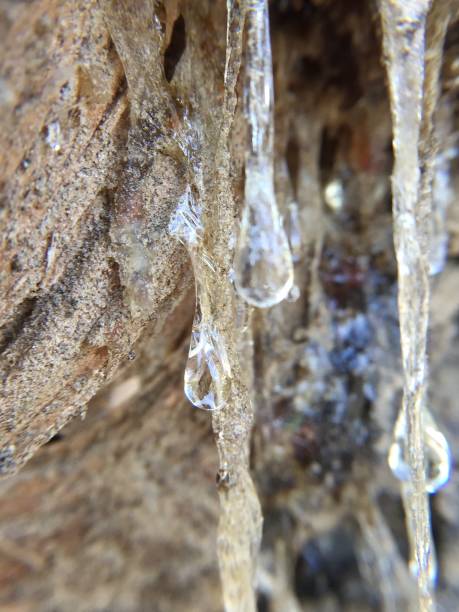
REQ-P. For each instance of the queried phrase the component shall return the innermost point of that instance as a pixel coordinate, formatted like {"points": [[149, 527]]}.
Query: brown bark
{"points": [[129, 493]]}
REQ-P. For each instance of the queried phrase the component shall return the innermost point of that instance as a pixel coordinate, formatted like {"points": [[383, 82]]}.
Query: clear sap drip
{"points": [[438, 456], [206, 367], [294, 294], [436, 451], [416, 457], [186, 222], [259, 93], [263, 267], [208, 363]]}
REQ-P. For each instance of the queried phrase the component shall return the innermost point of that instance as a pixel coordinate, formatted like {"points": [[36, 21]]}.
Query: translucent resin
{"points": [[263, 267]]}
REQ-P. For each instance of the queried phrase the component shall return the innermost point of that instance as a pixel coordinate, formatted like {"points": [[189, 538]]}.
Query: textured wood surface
{"points": [[66, 320], [118, 512]]}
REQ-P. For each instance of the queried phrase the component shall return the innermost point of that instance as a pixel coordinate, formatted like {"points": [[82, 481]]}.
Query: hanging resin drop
{"points": [[206, 367], [415, 457], [436, 453], [207, 364], [263, 267], [263, 270]]}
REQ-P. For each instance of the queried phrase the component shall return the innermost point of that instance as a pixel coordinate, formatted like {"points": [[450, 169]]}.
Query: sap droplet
{"points": [[396, 456], [207, 366], [53, 136], [263, 267], [334, 195], [186, 223], [293, 294], [438, 455], [436, 451]]}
